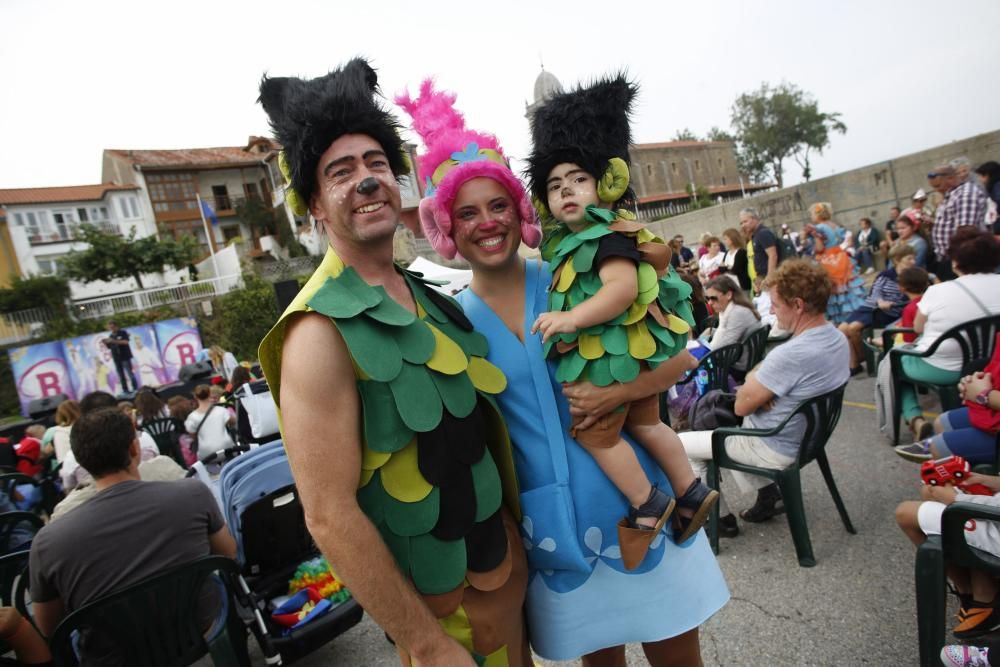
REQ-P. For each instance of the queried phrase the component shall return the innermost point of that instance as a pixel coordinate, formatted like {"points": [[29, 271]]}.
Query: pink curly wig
{"points": [[444, 134]]}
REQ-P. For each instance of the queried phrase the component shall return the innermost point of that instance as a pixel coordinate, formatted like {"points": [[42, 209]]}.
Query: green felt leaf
{"points": [[384, 428], [547, 347], [343, 297], [583, 258], [389, 312], [647, 277], [416, 342], [429, 306], [556, 301], [473, 343], [623, 367], [649, 296], [590, 283], [399, 547], [593, 232], [618, 320], [489, 492], [598, 215], [372, 346], [456, 391], [684, 311], [615, 340], [437, 566], [371, 499], [411, 519], [416, 397], [570, 366], [599, 371]]}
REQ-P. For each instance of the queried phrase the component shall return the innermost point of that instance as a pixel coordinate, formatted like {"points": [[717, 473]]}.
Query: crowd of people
{"points": [[517, 426]]}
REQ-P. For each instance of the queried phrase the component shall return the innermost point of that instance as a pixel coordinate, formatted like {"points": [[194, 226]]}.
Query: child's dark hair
{"points": [[914, 280]]}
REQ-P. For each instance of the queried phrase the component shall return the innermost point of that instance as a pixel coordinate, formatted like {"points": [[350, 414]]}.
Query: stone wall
{"points": [[866, 192]]}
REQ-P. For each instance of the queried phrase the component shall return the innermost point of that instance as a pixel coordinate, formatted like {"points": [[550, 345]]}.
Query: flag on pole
{"points": [[206, 209]]}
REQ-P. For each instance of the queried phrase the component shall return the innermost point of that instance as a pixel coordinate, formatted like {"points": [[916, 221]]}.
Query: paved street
{"points": [[855, 607]]}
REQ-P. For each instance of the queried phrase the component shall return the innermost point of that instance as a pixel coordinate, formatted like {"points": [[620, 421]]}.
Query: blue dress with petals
{"points": [[580, 598]]}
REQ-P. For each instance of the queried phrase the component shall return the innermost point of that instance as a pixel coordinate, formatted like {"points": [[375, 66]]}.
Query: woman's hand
{"points": [[592, 402], [972, 385]]}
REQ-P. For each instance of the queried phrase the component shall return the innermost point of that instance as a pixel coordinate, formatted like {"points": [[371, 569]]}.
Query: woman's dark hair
{"points": [[726, 285], [906, 220], [148, 405], [241, 375], [736, 237], [202, 392], [100, 440], [868, 220], [914, 280], [991, 170], [974, 251]]}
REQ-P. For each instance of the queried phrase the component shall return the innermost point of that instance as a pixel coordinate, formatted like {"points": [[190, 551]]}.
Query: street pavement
{"points": [[855, 607]]}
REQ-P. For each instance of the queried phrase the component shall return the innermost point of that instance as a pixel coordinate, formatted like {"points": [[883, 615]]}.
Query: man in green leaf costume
{"points": [[386, 399], [615, 303]]}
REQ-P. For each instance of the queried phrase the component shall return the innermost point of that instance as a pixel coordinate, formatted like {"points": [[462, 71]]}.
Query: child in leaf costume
{"points": [[615, 303]]}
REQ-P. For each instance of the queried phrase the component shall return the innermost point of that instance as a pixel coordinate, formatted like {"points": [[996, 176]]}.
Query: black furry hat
{"points": [[586, 126], [308, 115]]}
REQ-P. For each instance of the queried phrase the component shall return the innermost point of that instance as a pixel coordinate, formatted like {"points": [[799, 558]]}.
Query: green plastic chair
{"points": [[154, 623], [976, 340], [717, 364], [821, 415], [929, 572], [755, 343], [10, 521]]}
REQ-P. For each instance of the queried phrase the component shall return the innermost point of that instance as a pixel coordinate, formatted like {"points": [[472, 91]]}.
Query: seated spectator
{"points": [[123, 534], [979, 608], [789, 375], [913, 282], [737, 316], [848, 287], [180, 407], [906, 227], [67, 413], [241, 375], [148, 406], [75, 475], [883, 305], [973, 295], [709, 263], [208, 423], [29, 451], [969, 431], [681, 256], [868, 245]]}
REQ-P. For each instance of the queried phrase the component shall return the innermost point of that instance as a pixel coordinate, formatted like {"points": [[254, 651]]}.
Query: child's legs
{"points": [[615, 457], [665, 447], [984, 586], [970, 443], [907, 517]]}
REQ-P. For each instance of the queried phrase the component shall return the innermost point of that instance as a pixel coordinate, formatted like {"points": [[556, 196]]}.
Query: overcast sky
{"points": [[78, 77]]}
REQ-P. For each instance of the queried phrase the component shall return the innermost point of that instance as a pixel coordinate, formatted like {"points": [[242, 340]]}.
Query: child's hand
{"points": [[989, 481], [553, 323], [944, 494]]}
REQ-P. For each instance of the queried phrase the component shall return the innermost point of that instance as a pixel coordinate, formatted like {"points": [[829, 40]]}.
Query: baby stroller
{"points": [[262, 508]]}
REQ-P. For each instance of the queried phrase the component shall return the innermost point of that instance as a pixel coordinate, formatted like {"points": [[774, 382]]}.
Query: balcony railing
{"points": [[157, 296], [66, 233]]}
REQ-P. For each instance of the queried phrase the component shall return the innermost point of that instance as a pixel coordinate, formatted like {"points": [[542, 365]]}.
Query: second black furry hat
{"points": [[587, 126], [307, 115]]}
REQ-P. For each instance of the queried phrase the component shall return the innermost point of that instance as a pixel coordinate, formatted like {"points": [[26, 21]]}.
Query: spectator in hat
{"points": [[964, 204]]}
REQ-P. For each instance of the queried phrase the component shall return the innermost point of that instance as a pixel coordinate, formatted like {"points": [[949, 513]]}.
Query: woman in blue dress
{"points": [[581, 601]]}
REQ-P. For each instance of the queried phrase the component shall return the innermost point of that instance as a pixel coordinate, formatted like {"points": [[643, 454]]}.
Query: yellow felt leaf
{"points": [[677, 325], [636, 312], [567, 276], [401, 477], [590, 346], [485, 376], [644, 236], [448, 357], [366, 476], [641, 344], [457, 626], [498, 658], [372, 460]]}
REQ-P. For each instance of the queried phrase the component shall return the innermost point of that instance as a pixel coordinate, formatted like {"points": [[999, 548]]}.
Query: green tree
{"points": [[718, 134], [112, 256], [34, 292], [776, 123], [256, 213], [686, 135]]}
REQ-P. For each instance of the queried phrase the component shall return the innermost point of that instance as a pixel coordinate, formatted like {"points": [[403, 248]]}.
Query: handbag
{"points": [[715, 409], [984, 417], [262, 415]]}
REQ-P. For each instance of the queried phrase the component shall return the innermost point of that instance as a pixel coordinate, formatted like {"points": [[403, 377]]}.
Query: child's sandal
{"points": [[634, 538], [699, 498]]}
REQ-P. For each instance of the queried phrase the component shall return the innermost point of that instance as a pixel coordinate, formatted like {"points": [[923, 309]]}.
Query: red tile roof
{"points": [[680, 144], [69, 193], [223, 156]]}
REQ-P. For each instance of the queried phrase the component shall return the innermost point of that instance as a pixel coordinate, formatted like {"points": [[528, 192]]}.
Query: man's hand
{"points": [[552, 323], [972, 385], [446, 652]]}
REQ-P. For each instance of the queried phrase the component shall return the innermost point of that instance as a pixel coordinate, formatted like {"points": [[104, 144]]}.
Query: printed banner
{"points": [[81, 365], [180, 343], [40, 371]]}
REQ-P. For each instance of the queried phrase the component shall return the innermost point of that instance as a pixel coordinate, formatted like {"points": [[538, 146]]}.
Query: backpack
{"points": [[786, 249], [714, 410]]}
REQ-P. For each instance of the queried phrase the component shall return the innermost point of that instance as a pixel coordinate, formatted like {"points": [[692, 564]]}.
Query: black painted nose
{"points": [[367, 186]]}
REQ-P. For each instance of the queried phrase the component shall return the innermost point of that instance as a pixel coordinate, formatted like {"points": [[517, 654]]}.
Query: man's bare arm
{"points": [[321, 414], [221, 542], [772, 259], [752, 396], [47, 615]]}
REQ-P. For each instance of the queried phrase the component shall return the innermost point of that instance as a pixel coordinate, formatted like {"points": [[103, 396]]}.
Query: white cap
{"points": [[919, 194]]}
